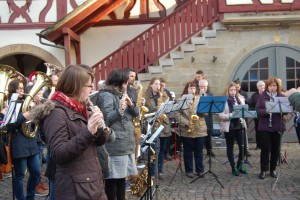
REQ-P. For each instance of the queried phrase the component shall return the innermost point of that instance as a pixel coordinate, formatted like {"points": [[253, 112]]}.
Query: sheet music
{"points": [[246, 114], [10, 110], [280, 105], [169, 106], [152, 138], [184, 103]]}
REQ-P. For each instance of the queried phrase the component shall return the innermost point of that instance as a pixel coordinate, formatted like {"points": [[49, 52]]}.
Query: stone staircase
{"points": [[184, 50]]}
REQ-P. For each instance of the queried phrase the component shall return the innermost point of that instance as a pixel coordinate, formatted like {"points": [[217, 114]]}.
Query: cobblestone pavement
{"points": [[287, 186]]}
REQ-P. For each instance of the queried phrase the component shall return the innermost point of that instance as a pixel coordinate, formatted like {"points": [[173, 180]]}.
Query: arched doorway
{"points": [[279, 60]]}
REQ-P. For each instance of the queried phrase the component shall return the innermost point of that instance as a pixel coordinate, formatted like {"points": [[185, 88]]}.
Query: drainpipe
{"points": [[55, 46]]}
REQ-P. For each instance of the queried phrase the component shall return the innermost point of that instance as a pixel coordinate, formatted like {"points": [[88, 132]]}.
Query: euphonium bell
{"points": [[6, 72], [41, 80]]}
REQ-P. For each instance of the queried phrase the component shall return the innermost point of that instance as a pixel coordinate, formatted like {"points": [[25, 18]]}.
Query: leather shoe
{"points": [[190, 175], [161, 177], [273, 174], [262, 175], [200, 174]]}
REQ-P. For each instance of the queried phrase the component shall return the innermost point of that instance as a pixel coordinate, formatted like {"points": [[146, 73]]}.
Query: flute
{"points": [[101, 121], [270, 114]]}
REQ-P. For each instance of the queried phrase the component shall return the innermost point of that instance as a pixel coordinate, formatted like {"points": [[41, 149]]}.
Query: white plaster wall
{"points": [[99, 42], [10, 37]]}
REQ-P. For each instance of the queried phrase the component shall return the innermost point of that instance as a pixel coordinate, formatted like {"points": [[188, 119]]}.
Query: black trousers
{"points": [[270, 144], [239, 136], [115, 189], [298, 131]]}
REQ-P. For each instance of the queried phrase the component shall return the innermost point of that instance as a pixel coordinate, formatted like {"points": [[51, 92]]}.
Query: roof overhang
{"points": [[81, 18]]}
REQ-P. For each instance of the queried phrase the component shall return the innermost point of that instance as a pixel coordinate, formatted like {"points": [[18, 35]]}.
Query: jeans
{"points": [[161, 156], [191, 145], [32, 163]]}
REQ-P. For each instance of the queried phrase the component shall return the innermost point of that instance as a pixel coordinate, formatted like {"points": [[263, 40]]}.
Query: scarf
{"points": [[230, 102], [70, 103]]}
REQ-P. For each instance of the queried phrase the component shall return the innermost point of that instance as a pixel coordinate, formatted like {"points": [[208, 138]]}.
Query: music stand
{"points": [[148, 194], [209, 105], [239, 112], [282, 106], [182, 104]]}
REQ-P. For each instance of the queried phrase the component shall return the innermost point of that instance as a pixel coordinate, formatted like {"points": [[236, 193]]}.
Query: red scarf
{"points": [[70, 103]]}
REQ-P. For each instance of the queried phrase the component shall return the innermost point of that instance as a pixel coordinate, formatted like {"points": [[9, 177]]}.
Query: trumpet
{"points": [[101, 121]]}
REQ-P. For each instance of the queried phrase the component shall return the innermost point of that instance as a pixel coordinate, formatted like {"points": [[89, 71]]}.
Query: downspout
{"points": [[55, 46]]}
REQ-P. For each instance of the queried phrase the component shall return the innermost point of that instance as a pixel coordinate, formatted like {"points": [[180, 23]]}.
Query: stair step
{"points": [[209, 33], [218, 26], [177, 55], [187, 47], [155, 69], [166, 62], [198, 40], [144, 76]]}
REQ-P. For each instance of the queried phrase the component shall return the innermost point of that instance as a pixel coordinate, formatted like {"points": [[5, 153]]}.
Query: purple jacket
{"points": [[277, 119]]}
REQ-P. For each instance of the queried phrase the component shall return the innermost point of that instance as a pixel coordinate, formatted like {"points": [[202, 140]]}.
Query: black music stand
{"points": [[282, 106], [147, 145], [209, 105], [241, 111], [182, 104]]}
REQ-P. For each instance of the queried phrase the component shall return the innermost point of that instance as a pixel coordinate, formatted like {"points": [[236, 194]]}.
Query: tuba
{"points": [[193, 117], [6, 72], [41, 81]]}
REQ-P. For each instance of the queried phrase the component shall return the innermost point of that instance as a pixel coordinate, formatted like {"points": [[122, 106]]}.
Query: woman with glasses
{"points": [[73, 135]]}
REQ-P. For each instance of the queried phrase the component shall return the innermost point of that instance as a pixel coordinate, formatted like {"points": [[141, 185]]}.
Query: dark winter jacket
{"points": [[264, 117], [73, 148]]}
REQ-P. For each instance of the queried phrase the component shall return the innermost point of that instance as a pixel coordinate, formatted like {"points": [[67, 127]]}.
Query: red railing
{"points": [[145, 49], [257, 6]]}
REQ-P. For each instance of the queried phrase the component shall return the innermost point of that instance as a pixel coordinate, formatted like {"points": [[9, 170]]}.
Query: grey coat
{"points": [[109, 103]]}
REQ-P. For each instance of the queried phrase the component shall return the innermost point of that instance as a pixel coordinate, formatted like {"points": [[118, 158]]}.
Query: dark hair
{"points": [[237, 81], [73, 78], [163, 80], [129, 69], [199, 72], [13, 86], [186, 87], [117, 78], [275, 80]]}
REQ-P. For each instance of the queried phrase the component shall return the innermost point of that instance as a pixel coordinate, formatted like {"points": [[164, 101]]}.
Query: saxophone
{"points": [[193, 117], [163, 116], [143, 109]]}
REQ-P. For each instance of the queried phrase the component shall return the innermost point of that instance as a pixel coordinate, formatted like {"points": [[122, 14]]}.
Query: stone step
{"points": [[144, 76], [209, 33], [198, 40], [155, 69], [187, 47], [218, 26], [177, 55], [166, 62]]}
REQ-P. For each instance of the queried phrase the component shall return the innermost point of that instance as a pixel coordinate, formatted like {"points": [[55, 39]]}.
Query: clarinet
{"points": [[270, 114], [236, 103]]}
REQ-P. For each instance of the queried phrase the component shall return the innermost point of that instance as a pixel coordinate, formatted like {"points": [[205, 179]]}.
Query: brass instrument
{"points": [[193, 117], [41, 80], [140, 186], [143, 109], [163, 116], [6, 72], [52, 69], [270, 114]]}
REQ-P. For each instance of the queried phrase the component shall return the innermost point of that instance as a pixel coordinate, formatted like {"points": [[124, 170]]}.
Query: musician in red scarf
{"points": [[72, 136]]}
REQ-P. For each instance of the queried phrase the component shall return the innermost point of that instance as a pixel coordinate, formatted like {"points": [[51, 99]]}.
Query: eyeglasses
{"points": [[90, 86]]}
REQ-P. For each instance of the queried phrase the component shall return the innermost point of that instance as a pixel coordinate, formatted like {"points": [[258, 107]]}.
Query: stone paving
{"points": [[287, 186]]}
